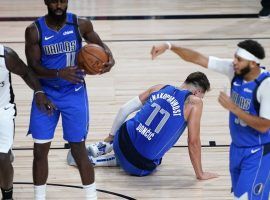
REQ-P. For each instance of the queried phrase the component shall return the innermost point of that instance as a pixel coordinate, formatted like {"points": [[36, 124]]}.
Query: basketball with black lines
{"points": [[91, 58]]}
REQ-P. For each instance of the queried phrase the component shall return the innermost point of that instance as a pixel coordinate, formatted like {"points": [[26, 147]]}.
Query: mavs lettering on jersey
{"points": [[59, 48], [159, 123], [242, 102], [147, 132], [170, 99], [244, 96]]}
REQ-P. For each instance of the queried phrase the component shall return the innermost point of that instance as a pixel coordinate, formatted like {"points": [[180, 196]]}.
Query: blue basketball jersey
{"points": [[59, 48], [244, 95], [159, 123]]}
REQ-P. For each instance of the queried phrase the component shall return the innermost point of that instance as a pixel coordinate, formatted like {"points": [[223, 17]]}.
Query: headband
{"points": [[246, 55]]}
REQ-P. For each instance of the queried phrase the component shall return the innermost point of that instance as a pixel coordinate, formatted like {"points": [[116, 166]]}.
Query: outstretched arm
{"points": [[186, 54], [16, 65], [131, 106], [88, 33], [194, 142]]}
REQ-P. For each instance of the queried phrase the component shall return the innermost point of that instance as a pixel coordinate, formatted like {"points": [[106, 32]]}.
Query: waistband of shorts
{"points": [[131, 153]]}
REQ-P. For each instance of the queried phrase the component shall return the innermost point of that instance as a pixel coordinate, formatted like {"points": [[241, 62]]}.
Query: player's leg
{"points": [[261, 186], [86, 169], [40, 169], [40, 163], [80, 156], [235, 160], [254, 174], [6, 175], [6, 140], [75, 122], [42, 128], [123, 160]]}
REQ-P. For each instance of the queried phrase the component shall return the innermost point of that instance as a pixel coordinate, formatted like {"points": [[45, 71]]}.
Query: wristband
{"points": [[169, 45], [39, 91]]}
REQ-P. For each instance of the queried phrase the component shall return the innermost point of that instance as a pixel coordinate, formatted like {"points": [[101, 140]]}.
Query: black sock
{"points": [[7, 194]]}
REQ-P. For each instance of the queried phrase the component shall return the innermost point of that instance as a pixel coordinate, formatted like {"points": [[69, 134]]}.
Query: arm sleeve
{"points": [[128, 108], [263, 97], [223, 66]]}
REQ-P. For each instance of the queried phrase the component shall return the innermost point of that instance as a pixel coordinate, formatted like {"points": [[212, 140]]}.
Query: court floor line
{"points": [[171, 39], [176, 146], [146, 17], [79, 187]]}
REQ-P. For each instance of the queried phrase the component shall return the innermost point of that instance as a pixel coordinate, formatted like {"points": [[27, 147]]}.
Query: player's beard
{"points": [[59, 18], [244, 71]]}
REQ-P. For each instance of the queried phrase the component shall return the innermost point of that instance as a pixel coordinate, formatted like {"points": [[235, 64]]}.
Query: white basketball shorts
{"points": [[7, 115]]}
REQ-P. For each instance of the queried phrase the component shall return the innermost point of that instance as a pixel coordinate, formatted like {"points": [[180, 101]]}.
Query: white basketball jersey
{"points": [[6, 93]]}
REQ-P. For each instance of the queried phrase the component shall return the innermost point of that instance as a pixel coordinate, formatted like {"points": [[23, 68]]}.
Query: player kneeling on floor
{"points": [[164, 112]]}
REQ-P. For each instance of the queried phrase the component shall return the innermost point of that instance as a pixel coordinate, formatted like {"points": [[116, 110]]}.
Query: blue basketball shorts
{"points": [[123, 161], [250, 172], [72, 104]]}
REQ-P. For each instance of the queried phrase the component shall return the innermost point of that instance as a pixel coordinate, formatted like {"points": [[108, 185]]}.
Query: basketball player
{"points": [[11, 63], [52, 43], [164, 112], [249, 114]]}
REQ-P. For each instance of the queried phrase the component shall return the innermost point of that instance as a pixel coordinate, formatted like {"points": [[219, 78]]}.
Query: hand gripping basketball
{"points": [[91, 58]]}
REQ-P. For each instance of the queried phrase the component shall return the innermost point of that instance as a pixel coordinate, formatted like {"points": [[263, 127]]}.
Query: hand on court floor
{"points": [[207, 175], [109, 139], [44, 104], [72, 74], [108, 65], [158, 49]]}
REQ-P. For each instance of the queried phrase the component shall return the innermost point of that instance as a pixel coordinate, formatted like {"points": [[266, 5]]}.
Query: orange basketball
{"points": [[91, 58]]}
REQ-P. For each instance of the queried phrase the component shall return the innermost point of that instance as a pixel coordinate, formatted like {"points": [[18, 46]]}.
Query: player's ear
{"points": [[197, 92], [253, 64]]}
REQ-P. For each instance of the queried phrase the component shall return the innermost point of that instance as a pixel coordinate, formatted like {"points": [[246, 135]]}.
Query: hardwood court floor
{"points": [[174, 179], [130, 41]]}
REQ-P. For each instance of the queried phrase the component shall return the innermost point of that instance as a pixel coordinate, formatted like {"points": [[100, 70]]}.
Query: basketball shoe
{"points": [[104, 161], [70, 159], [99, 148], [264, 13], [72, 162]]}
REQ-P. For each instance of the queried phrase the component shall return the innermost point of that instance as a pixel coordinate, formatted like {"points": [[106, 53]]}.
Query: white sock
{"points": [[105, 161], [90, 191], [40, 192]]}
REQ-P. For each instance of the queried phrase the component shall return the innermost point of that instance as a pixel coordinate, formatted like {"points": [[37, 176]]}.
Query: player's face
{"points": [[57, 8], [241, 66]]}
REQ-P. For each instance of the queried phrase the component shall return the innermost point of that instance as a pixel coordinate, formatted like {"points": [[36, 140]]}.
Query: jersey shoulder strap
{"points": [[74, 22], [38, 26], [258, 82]]}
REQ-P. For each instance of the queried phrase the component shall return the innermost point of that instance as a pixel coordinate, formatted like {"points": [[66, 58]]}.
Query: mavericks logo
{"points": [[61, 47]]}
